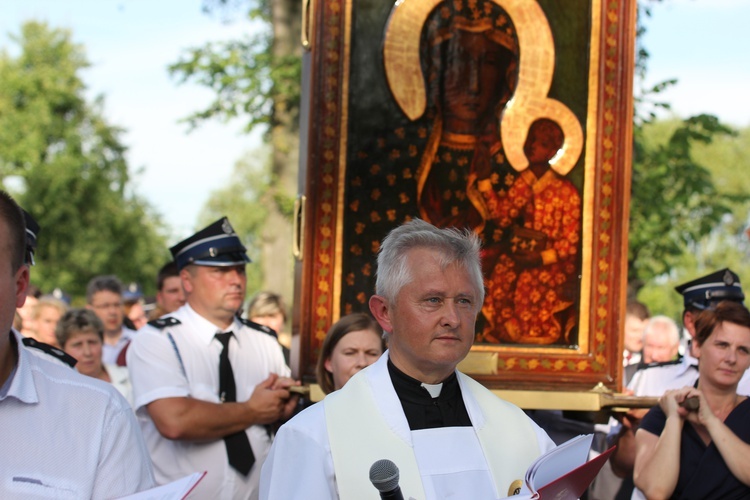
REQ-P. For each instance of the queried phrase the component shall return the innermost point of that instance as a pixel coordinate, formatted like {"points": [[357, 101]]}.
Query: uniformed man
{"points": [[65, 435], [206, 382], [698, 295], [448, 435], [705, 293]]}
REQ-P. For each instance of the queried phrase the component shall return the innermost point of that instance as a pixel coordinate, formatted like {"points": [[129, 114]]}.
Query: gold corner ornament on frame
{"points": [[511, 118]]}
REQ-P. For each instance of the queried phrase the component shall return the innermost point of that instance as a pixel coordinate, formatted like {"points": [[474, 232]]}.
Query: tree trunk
{"points": [[276, 238]]}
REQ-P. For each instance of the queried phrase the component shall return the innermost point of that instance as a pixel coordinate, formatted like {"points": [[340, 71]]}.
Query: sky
{"points": [[705, 44], [130, 43]]}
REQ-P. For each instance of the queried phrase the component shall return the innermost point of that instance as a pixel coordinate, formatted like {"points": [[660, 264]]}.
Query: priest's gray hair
{"points": [[455, 246]]}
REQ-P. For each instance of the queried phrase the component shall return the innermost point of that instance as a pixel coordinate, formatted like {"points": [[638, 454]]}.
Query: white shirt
{"points": [[654, 381], [111, 352], [156, 373], [120, 380], [66, 435], [451, 461]]}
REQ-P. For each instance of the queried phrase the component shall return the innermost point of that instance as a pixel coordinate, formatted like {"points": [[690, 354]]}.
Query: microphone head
{"points": [[384, 475]]}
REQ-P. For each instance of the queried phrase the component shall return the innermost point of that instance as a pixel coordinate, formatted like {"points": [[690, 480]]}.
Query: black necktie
{"points": [[238, 446]]}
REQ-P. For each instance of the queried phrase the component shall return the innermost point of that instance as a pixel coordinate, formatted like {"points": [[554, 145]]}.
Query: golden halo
{"points": [[403, 69], [529, 102]]}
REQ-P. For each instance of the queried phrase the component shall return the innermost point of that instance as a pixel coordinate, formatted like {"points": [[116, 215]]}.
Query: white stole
{"points": [[363, 429]]}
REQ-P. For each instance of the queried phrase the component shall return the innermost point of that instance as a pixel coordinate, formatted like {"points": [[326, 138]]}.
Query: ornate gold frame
{"points": [[605, 144]]}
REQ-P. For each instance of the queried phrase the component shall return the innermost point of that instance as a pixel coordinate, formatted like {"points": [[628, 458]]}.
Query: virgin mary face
{"points": [[474, 81]]}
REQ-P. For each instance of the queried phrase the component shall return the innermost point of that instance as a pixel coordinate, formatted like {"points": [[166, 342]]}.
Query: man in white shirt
{"points": [[661, 340], [65, 435], [169, 293], [104, 297], [206, 382], [449, 436]]}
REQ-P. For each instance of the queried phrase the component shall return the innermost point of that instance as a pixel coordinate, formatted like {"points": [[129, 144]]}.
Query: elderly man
{"points": [[65, 435], [661, 340], [448, 435], [205, 382]]}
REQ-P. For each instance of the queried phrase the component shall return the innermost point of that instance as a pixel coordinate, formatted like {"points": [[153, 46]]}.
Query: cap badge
{"points": [[728, 278], [227, 227]]}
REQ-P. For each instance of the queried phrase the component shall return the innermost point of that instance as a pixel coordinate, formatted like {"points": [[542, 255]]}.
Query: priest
{"points": [[448, 435]]}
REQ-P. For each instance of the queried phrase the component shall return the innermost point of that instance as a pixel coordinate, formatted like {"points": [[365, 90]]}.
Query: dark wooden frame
{"points": [[597, 356]]}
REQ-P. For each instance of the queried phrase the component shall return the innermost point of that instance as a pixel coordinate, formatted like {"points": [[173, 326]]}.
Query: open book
{"points": [[564, 472], [176, 490]]}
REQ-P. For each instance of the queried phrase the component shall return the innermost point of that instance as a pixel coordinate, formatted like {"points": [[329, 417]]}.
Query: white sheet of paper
{"points": [[559, 461], [176, 490]]}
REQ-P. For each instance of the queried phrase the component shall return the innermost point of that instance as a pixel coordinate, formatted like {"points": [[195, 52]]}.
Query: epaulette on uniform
{"points": [[162, 323], [657, 364], [256, 326], [51, 350]]}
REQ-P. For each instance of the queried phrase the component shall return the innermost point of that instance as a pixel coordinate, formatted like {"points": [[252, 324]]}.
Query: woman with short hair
{"points": [[685, 451], [80, 333]]}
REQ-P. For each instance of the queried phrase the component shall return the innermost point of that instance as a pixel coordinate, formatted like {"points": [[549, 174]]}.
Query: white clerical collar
{"points": [[433, 389]]}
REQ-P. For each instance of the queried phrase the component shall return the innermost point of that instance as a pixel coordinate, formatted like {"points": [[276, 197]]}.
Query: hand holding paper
{"points": [[564, 472]]}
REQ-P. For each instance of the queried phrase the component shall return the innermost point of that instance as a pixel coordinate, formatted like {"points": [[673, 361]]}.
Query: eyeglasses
{"points": [[108, 305]]}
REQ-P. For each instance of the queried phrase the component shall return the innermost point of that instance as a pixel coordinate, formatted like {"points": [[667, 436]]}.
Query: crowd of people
{"points": [[197, 387], [668, 364]]}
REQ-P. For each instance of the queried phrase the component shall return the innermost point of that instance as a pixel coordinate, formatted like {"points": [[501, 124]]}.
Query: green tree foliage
{"points": [[248, 78], [674, 200], [687, 212], [726, 158], [258, 79], [72, 170]]}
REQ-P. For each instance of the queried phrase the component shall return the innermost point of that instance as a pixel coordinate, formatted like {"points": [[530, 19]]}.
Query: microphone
{"points": [[384, 476]]}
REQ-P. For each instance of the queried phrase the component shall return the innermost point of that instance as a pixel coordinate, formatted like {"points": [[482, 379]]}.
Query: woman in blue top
{"points": [[702, 453]]}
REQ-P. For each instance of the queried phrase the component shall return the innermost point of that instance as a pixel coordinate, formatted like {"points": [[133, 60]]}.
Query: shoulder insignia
{"points": [[256, 326], [51, 350], [162, 323], [662, 363]]}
